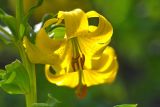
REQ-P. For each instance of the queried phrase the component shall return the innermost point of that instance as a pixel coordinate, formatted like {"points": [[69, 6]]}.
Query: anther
{"points": [[78, 62], [75, 64]]}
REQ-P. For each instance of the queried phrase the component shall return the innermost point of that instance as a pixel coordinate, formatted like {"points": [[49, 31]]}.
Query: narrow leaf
{"points": [[28, 29], [126, 105], [31, 10], [41, 105], [8, 20], [5, 36]]}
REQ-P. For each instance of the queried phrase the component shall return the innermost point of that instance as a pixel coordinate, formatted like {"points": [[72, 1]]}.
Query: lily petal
{"points": [[96, 40], [47, 44], [90, 47], [76, 22], [104, 63], [37, 55], [49, 22], [70, 79], [49, 51], [104, 31], [103, 70]]}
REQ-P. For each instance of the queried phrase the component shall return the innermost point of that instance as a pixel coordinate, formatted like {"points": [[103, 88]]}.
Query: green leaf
{"points": [[5, 36], [31, 10], [28, 31], [8, 20], [57, 32], [51, 102], [41, 105], [14, 79], [126, 105]]}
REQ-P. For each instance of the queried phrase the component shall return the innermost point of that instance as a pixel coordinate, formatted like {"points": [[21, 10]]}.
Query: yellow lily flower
{"points": [[82, 57]]}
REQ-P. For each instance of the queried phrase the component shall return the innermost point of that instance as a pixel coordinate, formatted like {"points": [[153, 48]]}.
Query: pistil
{"points": [[78, 60]]}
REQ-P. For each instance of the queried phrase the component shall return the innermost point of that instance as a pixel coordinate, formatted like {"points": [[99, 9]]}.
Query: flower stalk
{"points": [[31, 96], [19, 11]]}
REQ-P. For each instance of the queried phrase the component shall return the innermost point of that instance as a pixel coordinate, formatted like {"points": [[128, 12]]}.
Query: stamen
{"points": [[75, 64], [78, 61], [78, 57], [82, 59]]}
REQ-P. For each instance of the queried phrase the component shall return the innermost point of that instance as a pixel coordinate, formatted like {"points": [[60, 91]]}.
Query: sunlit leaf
{"points": [[14, 79], [126, 105], [8, 20], [58, 32], [41, 105]]}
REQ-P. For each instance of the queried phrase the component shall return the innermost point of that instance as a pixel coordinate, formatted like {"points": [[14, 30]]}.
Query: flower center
{"points": [[78, 57], [78, 60]]}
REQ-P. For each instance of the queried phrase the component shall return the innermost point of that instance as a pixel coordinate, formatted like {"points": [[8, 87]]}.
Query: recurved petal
{"points": [[50, 22], [91, 47], [95, 41], [37, 55], [67, 79], [104, 30], [61, 50], [49, 51], [43, 41], [76, 22], [101, 70], [105, 62]]}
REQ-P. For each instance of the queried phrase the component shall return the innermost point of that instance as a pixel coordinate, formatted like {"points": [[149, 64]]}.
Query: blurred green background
{"points": [[136, 40]]}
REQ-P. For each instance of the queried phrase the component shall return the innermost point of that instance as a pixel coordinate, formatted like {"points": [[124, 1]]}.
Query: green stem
{"points": [[19, 16], [19, 11], [31, 97]]}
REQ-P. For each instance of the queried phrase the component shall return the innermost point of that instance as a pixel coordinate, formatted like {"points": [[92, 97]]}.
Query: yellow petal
{"points": [[90, 47], [103, 69], [49, 22], [76, 22], [95, 41], [70, 79], [49, 51], [105, 61], [47, 44], [37, 55], [104, 30]]}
